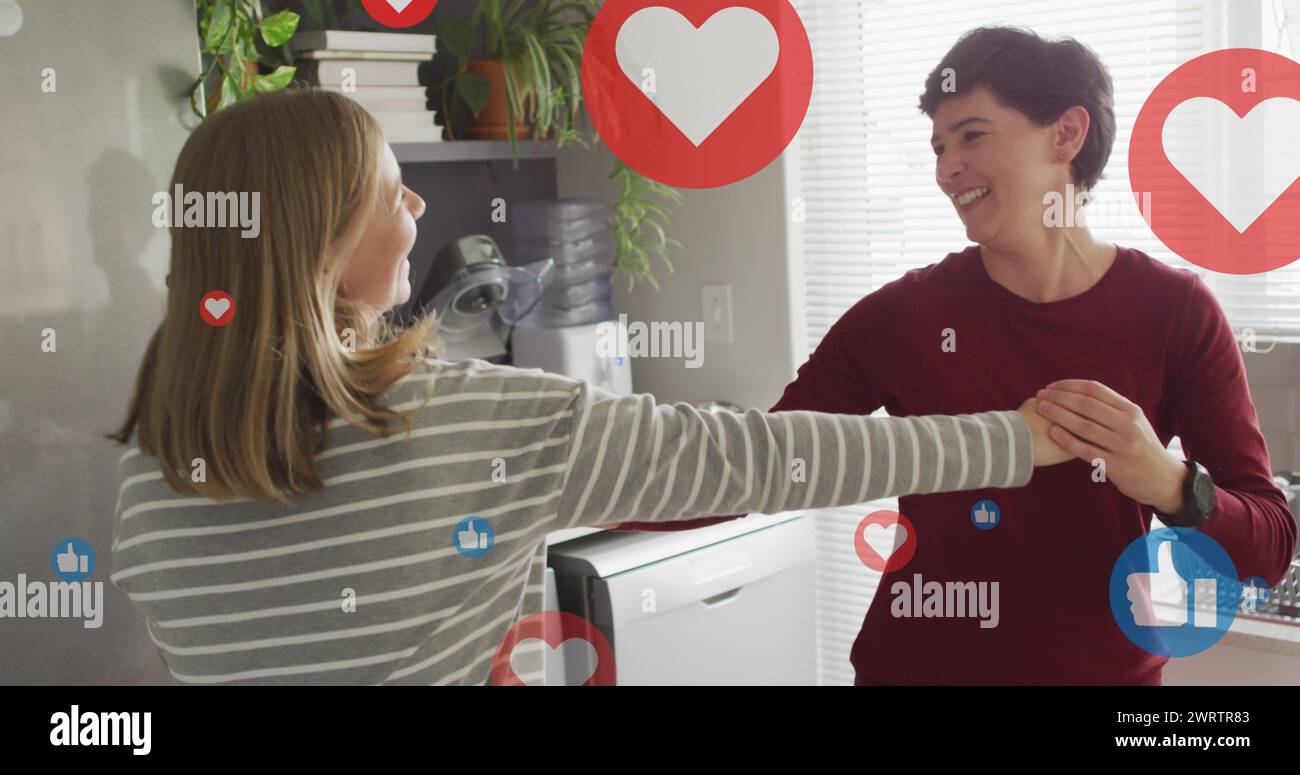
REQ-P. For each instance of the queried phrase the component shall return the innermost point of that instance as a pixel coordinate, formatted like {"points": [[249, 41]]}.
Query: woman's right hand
{"points": [[1046, 451]]}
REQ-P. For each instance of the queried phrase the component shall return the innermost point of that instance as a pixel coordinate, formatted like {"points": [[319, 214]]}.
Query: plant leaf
{"points": [[281, 77], [230, 93], [219, 29], [659, 232], [513, 110], [456, 37], [473, 89], [277, 29], [537, 80]]}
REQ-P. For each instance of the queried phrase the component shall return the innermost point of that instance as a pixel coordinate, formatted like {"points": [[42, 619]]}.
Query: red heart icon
{"points": [[217, 308], [885, 540], [697, 93], [1182, 194], [553, 628], [399, 13]]}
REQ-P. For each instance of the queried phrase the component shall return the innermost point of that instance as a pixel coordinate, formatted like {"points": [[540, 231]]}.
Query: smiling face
{"points": [[995, 165], [378, 272]]}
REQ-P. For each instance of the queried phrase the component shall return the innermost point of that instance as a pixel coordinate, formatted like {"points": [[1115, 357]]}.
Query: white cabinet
{"points": [[728, 604]]}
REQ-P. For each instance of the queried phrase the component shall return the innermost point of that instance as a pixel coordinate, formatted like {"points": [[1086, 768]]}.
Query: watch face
{"points": [[1203, 491]]}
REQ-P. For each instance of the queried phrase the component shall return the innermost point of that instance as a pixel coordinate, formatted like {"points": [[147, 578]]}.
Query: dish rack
{"points": [[1281, 604]]}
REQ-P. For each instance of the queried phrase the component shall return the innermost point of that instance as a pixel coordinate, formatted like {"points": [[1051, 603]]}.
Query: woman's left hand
{"points": [[1091, 422]]}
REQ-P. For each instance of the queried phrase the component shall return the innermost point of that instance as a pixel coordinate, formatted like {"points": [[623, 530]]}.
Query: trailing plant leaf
{"points": [[277, 30], [217, 37], [231, 31], [281, 77]]}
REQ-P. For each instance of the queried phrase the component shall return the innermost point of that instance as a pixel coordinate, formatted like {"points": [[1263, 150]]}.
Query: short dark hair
{"points": [[1040, 78]]}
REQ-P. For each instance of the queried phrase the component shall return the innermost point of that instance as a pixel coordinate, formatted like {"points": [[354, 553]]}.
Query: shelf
{"points": [[470, 150]]}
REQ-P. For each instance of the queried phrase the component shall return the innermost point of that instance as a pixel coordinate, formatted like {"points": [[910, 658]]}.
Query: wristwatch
{"points": [[1198, 498]]}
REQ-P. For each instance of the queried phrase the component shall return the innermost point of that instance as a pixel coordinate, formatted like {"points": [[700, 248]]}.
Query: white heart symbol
{"points": [[885, 540], [571, 653], [400, 5], [217, 307], [1258, 160], [700, 75]]}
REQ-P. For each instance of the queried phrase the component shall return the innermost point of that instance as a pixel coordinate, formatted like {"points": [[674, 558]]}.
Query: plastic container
{"points": [[543, 233], [575, 295], [566, 275], [558, 221], [597, 246], [550, 317]]}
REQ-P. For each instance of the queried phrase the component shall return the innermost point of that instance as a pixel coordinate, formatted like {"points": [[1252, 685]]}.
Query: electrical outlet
{"points": [[717, 313]]}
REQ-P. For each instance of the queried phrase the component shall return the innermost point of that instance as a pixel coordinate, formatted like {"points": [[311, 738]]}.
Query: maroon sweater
{"points": [[1152, 333]]}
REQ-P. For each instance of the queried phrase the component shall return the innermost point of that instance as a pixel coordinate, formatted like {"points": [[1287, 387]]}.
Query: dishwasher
{"points": [[728, 604]]}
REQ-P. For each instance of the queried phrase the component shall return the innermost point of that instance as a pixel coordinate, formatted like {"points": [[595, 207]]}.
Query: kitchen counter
{"points": [[1256, 632]]}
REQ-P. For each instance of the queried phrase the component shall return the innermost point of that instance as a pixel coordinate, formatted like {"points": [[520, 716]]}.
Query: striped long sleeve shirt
{"points": [[362, 582]]}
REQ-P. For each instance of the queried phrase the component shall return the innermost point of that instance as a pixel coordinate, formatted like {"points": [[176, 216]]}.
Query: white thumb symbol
{"points": [[68, 561], [468, 538], [1165, 559], [1141, 585]]}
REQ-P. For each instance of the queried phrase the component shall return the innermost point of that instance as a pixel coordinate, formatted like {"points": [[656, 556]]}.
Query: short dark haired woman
{"points": [[1135, 352]]}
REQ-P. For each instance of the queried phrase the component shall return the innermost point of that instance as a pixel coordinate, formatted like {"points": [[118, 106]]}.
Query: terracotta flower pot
{"points": [[492, 123]]}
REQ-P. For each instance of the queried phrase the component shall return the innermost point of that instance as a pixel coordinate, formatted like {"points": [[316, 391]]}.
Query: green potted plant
{"points": [[229, 31], [528, 80], [530, 72]]}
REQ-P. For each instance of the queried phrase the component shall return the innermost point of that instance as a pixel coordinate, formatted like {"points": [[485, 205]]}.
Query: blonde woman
{"points": [[273, 473]]}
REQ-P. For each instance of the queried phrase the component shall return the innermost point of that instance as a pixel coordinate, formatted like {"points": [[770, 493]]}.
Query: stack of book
{"points": [[380, 70]]}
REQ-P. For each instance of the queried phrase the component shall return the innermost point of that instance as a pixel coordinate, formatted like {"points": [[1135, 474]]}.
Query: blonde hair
{"points": [[253, 397]]}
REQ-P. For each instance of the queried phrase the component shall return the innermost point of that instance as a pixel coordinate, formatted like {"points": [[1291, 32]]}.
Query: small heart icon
{"points": [[700, 75], [217, 307], [572, 653], [399, 5], [884, 541]]}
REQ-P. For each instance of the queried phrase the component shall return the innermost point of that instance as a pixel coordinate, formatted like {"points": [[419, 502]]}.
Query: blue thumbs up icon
{"points": [[473, 537]]}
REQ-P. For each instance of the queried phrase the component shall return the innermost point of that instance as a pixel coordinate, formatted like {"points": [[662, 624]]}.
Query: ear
{"points": [[1071, 131]]}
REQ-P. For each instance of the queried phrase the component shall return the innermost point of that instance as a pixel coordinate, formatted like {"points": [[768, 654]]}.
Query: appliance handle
{"points": [[721, 599]]}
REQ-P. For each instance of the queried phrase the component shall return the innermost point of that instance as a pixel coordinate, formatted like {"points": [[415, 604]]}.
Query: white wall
{"points": [[80, 256], [732, 235], [1274, 374]]}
